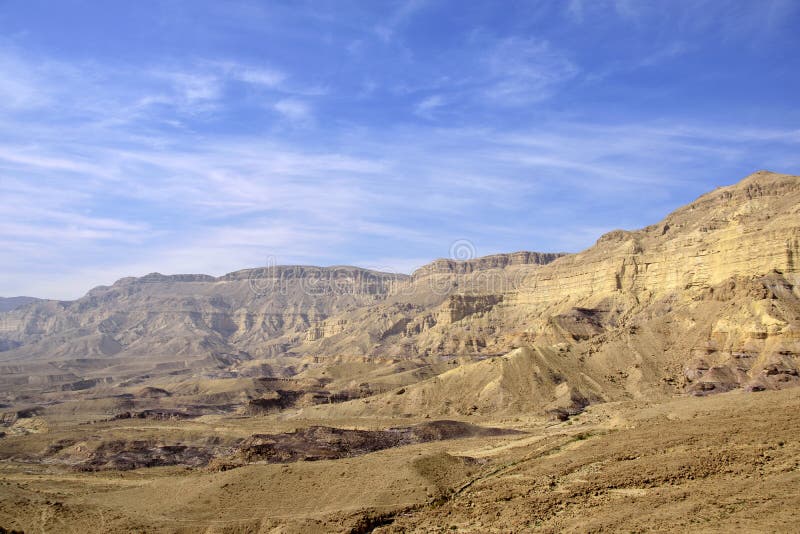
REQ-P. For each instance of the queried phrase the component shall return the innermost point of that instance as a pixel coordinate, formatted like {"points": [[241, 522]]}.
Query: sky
{"points": [[207, 137]]}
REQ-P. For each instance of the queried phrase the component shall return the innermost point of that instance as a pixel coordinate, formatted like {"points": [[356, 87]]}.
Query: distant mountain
{"points": [[12, 303], [705, 301]]}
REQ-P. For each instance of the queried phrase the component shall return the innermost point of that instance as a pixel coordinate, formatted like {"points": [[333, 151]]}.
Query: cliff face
{"points": [[702, 302], [159, 324], [749, 228], [496, 261], [706, 300]]}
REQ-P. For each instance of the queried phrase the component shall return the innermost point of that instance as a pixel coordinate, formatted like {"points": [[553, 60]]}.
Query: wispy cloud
{"points": [[525, 70], [256, 75], [226, 204], [162, 94], [427, 107], [726, 19], [343, 134], [19, 87], [193, 88], [386, 30], [296, 111]]}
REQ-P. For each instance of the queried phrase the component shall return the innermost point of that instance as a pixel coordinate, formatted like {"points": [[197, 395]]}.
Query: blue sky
{"points": [[210, 136]]}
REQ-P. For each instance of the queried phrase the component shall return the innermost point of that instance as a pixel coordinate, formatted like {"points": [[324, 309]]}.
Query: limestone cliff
{"points": [[746, 229], [706, 300], [496, 261]]}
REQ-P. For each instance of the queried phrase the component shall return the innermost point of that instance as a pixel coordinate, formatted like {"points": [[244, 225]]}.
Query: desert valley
{"points": [[647, 383]]}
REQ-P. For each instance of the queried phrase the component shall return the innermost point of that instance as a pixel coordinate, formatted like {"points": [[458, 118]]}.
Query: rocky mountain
{"points": [[706, 300], [12, 303], [156, 325]]}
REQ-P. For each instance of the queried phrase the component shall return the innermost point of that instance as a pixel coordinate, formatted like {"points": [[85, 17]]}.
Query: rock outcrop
{"points": [[496, 261]]}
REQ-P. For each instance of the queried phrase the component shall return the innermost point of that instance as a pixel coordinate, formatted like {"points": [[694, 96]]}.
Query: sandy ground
{"points": [[716, 464]]}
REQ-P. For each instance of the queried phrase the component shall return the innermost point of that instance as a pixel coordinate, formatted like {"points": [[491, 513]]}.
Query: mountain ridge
{"points": [[598, 324], [12, 303]]}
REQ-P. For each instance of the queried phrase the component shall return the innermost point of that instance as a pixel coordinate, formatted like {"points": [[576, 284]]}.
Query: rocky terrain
{"points": [[12, 303], [706, 300], [729, 462], [475, 392]]}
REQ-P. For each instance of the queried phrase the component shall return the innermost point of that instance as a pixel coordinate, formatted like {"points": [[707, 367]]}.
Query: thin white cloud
{"points": [[194, 88], [260, 76], [427, 107], [297, 111], [524, 71], [731, 20], [119, 176], [384, 33], [26, 157], [575, 10], [630, 9], [158, 95], [388, 28], [21, 84], [207, 82], [56, 232], [355, 47], [248, 199], [494, 73]]}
